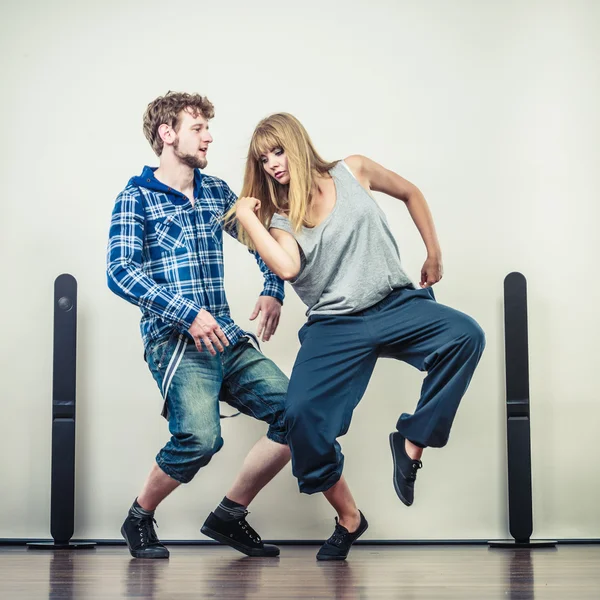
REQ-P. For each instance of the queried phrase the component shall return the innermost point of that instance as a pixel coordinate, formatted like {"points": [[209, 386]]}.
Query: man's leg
{"points": [[156, 488], [448, 345], [191, 382], [255, 386], [261, 464]]}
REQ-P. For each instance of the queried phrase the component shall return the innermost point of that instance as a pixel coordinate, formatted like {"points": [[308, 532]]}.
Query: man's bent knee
{"points": [[185, 454]]}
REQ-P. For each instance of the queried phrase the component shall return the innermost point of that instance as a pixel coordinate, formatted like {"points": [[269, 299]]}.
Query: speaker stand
{"points": [[61, 546], [522, 544]]}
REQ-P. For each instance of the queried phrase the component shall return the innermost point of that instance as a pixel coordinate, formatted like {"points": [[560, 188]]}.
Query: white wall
{"points": [[490, 107]]}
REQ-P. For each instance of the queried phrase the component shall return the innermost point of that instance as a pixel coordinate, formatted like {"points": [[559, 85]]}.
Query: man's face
{"points": [[192, 140]]}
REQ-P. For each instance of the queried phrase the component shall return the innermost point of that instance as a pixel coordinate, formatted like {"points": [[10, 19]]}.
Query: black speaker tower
{"points": [[62, 489], [516, 348]]}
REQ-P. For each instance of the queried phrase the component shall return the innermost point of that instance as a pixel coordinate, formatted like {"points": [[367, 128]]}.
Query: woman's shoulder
{"points": [[280, 220], [355, 164], [359, 167]]}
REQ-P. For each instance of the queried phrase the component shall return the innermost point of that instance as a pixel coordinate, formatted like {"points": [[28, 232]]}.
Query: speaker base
{"points": [[523, 544], [61, 546]]}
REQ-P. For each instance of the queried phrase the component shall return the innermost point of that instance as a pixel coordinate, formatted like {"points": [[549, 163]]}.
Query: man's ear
{"points": [[166, 133]]}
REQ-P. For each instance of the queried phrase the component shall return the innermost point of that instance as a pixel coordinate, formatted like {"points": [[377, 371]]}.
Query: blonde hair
{"points": [[167, 109], [284, 131]]}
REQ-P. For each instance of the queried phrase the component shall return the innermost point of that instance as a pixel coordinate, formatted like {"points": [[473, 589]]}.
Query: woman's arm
{"points": [[278, 249], [379, 179]]}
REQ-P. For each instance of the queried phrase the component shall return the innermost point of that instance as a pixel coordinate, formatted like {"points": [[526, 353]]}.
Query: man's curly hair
{"points": [[167, 109]]}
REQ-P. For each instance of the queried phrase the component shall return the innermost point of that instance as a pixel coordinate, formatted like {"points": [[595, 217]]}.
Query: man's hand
{"points": [[269, 309], [432, 271], [205, 330]]}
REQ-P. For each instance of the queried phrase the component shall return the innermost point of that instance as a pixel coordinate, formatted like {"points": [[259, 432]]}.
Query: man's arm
{"points": [[124, 266], [127, 280]]}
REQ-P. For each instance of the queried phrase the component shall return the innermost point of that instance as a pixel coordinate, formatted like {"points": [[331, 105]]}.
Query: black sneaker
{"points": [[141, 538], [238, 534], [405, 469], [338, 545]]}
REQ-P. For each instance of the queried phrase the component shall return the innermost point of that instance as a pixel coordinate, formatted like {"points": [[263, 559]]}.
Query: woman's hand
{"points": [[432, 271], [247, 204]]}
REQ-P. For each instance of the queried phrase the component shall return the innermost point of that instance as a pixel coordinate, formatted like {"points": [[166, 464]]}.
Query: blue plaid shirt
{"points": [[166, 256]]}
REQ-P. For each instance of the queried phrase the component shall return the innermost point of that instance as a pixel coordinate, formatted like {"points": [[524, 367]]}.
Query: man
{"points": [[165, 254]]}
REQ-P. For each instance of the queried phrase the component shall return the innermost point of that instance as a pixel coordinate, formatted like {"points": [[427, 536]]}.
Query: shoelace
{"points": [[338, 535], [247, 529], [148, 536], [416, 465]]}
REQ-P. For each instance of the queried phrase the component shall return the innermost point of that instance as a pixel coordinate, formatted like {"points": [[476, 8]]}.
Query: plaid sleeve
{"points": [[124, 266], [273, 284]]}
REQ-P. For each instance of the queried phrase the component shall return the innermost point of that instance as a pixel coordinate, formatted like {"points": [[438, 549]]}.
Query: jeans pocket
{"points": [[159, 350]]}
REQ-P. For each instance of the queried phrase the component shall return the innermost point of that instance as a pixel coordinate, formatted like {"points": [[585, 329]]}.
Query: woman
{"points": [[316, 225]]}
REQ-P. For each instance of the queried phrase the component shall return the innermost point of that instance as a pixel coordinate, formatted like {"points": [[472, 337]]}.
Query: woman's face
{"points": [[275, 164]]}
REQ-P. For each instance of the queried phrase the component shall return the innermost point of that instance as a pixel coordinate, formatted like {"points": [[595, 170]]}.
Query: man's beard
{"points": [[191, 160]]}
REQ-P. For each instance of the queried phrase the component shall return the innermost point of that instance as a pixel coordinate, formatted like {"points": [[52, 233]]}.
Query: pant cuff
{"points": [[177, 476], [320, 487], [276, 437]]}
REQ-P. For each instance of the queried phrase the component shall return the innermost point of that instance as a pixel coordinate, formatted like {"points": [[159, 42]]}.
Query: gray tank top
{"points": [[350, 261]]}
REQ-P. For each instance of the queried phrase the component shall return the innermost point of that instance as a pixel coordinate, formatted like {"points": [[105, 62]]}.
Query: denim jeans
{"points": [[192, 384]]}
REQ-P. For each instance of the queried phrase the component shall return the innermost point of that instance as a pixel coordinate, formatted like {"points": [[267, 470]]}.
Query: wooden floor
{"points": [[377, 572]]}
